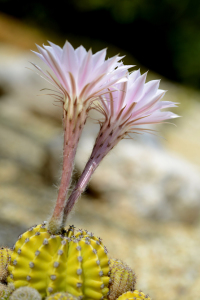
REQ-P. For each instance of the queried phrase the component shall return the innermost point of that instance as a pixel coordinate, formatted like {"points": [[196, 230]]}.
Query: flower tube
{"points": [[126, 107], [79, 77]]}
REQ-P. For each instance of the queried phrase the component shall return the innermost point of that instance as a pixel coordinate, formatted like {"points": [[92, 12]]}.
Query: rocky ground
{"points": [[144, 200]]}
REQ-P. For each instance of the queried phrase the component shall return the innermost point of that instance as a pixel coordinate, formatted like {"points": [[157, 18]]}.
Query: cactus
{"points": [[69, 262], [61, 296], [25, 293], [122, 279], [134, 295], [5, 254], [5, 291]]}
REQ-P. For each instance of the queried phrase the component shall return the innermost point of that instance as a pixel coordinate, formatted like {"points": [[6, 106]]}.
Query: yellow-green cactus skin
{"points": [[61, 296], [69, 262], [122, 279], [134, 295], [5, 255]]}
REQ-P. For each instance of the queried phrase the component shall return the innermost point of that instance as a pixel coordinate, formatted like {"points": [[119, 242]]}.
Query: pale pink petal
{"points": [[157, 117], [85, 70], [50, 60], [69, 60], [46, 77], [80, 72], [121, 98], [148, 106], [90, 87], [80, 53], [57, 50], [41, 57], [134, 103], [99, 58], [135, 90], [150, 88], [134, 75], [165, 104], [44, 54], [108, 84], [110, 64]]}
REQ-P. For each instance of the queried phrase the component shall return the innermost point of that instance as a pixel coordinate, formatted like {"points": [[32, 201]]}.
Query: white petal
{"points": [[99, 58], [69, 60], [150, 89], [85, 70], [54, 65], [156, 117], [80, 53], [107, 65], [133, 76], [147, 108], [136, 89], [81, 72], [57, 50]]}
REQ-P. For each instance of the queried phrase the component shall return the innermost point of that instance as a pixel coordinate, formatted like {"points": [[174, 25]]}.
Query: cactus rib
{"points": [[69, 262], [134, 295]]}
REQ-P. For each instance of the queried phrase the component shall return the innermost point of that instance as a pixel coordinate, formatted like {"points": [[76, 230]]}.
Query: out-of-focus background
{"points": [[144, 199]]}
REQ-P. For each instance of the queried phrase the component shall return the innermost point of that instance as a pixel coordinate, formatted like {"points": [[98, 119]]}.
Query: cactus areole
{"points": [[71, 262]]}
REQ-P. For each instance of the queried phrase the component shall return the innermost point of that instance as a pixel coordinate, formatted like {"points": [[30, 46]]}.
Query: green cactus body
{"points": [[5, 254], [61, 296], [4, 292], [122, 278], [134, 295], [77, 264]]}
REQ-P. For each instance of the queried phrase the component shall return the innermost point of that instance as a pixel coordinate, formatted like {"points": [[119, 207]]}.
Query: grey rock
{"points": [[152, 181]]}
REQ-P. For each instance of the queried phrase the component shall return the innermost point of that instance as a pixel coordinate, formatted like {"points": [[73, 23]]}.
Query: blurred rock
{"points": [[149, 181]]}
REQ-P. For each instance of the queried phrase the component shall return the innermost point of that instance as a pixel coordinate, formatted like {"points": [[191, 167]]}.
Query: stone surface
{"points": [[137, 187], [150, 181]]}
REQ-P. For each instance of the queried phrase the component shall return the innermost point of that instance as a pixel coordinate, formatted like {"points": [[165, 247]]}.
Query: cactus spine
{"points": [[5, 254], [5, 291], [25, 293], [122, 279], [134, 295], [69, 262]]}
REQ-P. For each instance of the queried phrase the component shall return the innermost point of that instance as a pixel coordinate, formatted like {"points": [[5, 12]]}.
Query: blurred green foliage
{"points": [[121, 11], [162, 35], [179, 18]]}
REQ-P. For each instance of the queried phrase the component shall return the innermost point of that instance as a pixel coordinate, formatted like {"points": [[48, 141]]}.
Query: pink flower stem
{"points": [[73, 126], [101, 148], [80, 186]]}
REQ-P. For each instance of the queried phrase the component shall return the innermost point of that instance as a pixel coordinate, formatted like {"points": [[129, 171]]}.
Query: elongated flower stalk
{"points": [[128, 106], [79, 77]]}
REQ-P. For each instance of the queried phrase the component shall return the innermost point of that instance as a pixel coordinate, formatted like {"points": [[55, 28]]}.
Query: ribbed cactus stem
{"points": [[73, 125], [5, 254], [62, 296], [122, 278], [134, 295], [72, 262]]}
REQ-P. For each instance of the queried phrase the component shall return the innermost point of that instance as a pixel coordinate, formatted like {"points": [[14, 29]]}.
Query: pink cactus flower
{"points": [[79, 77], [127, 107]]}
